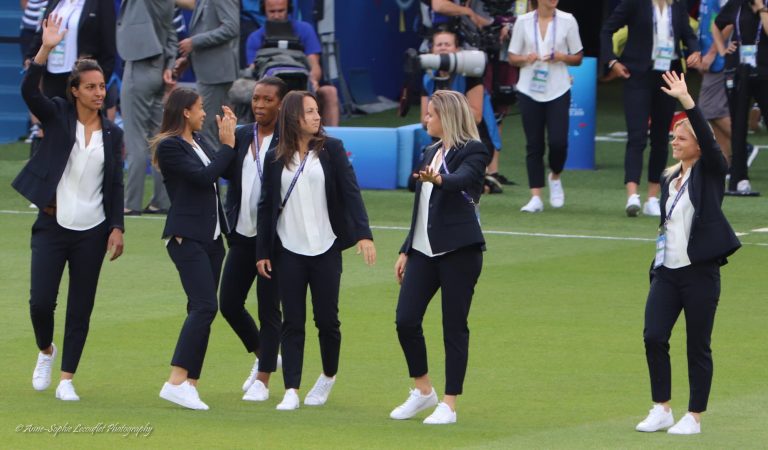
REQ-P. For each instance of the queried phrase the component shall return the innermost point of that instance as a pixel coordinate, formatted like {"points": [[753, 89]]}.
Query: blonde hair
{"points": [[685, 123], [456, 118]]}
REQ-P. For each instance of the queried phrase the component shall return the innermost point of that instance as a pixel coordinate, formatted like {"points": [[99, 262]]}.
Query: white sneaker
{"points": [[657, 419], [633, 205], [66, 391], [290, 401], [183, 394], [257, 392], [32, 206], [744, 186], [251, 376], [651, 207], [443, 415], [319, 393], [534, 205], [415, 403], [687, 425], [556, 193], [41, 377]]}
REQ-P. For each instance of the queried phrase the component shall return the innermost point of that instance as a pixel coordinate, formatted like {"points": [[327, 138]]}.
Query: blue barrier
{"points": [[410, 140], [373, 153], [581, 129]]}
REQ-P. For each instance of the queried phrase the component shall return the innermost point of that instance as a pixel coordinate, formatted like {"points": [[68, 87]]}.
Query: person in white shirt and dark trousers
{"points": [[443, 250], [76, 181], [544, 42], [310, 211], [245, 174], [193, 229], [694, 241]]}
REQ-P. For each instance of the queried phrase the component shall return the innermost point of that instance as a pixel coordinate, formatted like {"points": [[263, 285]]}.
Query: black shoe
{"points": [[501, 179], [131, 212], [493, 186], [153, 210]]}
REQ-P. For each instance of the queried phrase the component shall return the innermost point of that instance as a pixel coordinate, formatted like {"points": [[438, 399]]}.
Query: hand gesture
{"points": [[677, 89], [428, 175], [227, 126], [53, 33], [366, 247]]}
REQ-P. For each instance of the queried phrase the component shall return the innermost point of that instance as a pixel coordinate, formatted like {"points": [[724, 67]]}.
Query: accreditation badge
{"points": [[540, 77], [661, 246], [56, 57], [748, 55], [663, 54]]}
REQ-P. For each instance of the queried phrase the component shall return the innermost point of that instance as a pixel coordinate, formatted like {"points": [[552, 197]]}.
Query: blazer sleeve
{"points": [[711, 155], [174, 158], [229, 25], [350, 191], [240, 140], [618, 18], [41, 106], [265, 207], [107, 36], [687, 34], [117, 220], [471, 169]]}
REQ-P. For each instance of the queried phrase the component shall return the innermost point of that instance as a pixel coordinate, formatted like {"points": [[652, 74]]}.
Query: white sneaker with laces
{"points": [[258, 392], [633, 205], [556, 193], [443, 415], [183, 394], [657, 419], [41, 376], [290, 401], [744, 186], [687, 425], [319, 393], [415, 403], [534, 205], [251, 376], [651, 207], [66, 391]]}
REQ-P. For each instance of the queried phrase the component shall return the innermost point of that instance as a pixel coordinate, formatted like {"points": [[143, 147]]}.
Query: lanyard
{"points": [[445, 168], [256, 147], [295, 179], [655, 21], [738, 28], [536, 31], [674, 203]]}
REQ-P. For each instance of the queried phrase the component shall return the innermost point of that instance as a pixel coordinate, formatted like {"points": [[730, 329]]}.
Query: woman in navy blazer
{"points": [[694, 241], [443, 250], [193, 229], [309, 212], [245, 174], [95, 39], [74, 128], [642, 66]]}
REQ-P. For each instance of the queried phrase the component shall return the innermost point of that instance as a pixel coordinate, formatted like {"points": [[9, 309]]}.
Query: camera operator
{"points": [[749, 50], [444, 42]]}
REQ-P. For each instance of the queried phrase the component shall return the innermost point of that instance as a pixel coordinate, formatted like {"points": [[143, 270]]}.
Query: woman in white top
{"points": [[694, 241], [309, 212], [544, 42], [76, 180], [193, 229]]}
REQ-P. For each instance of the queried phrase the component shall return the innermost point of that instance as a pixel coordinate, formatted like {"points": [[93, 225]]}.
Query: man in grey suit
{"points": [[212, 48], [147, 42]]}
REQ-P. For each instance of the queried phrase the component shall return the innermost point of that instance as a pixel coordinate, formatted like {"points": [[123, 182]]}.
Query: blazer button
{"points": [[429, 226], [430, 205]]}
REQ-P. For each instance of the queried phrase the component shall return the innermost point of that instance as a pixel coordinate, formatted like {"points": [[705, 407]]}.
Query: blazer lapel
{"points": [[325, 163], [196, 14], [106, 136], [88, 8]]}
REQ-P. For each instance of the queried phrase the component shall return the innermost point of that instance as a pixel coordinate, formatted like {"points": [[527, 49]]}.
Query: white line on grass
{"points": [[491, 232]]}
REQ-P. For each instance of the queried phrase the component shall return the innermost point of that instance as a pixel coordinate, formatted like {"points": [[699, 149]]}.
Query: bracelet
{"points": [[764, 9], [612, 63]]}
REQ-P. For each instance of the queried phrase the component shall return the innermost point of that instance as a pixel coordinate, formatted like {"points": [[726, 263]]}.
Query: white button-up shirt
{"points": [[304, 226], [251, 189], [64, 55], [204, 158], [420, 235], [679, 226], [79, 195]]}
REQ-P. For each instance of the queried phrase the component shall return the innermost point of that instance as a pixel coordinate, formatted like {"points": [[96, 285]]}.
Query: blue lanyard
{"points": [[536, 31], [674, 203], [256, 147], [295, 179], [738, 29], [655, 21], [447, 172]]}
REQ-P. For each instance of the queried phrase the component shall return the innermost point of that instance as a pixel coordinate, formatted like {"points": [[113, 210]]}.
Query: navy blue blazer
{"points": [[346, 210], [234, 173], [711, 238], [39, 178], [452, 222], [638, 16], [189, 183], [95, 34]]}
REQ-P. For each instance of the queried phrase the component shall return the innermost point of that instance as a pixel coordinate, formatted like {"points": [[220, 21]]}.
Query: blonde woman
{"points": [[443, 250], [694, 241]]}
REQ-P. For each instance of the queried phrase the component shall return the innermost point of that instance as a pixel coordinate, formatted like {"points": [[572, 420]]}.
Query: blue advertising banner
{"points": [[581, 130]]}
